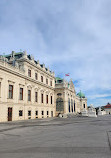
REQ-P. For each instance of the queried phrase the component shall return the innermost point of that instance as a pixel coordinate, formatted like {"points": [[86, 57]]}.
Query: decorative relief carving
{"points": [[11, 82], [42, 91], [37, 88], [47, 92]]}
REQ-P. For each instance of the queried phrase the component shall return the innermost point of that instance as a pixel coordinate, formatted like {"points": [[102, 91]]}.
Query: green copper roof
{"points": [[14, 54], [81, 95], [58, 78]]}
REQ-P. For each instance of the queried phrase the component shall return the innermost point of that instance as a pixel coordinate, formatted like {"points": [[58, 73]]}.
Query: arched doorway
{"points": [[59, 104]]}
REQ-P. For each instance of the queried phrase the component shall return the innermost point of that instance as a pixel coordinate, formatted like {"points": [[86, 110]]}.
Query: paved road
{"points": [[76, 137]]}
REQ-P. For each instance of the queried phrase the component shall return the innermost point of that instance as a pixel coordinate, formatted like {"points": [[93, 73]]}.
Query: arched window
{"points": [[72, 104], [69, 105], [84, 106], [59, 104]]}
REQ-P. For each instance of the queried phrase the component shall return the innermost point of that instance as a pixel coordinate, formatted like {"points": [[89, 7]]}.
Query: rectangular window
{"points": [[46, 99], [29, 95], [50, 83], [47, 112], [42, 112], [36, 112], [46, 81], [29, 72], [29, 113], [10, 91], [36, 77], [36, 96], [51, 99], [41, 78], [42, 100], [21, 93], [20, 112]]}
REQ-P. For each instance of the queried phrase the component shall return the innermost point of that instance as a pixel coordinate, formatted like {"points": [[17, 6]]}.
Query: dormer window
{"points": [[29, 72], [59, 81]]}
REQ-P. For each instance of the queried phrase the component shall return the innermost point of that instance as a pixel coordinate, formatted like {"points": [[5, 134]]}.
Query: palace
{"points": [[66, 99], [29, 90]]}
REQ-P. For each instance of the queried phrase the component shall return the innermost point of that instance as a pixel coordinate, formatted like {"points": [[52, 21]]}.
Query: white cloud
{"points": [[71, 37]]}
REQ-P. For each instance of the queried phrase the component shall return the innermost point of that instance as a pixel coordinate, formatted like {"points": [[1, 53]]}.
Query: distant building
{"points": [[107, 108], [29, 90], [66, 100]]}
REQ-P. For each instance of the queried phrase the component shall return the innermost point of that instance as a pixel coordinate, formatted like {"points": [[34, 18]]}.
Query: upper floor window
{"points": [[10, 91], [50, 83], [46, 81], [29, 72], [29, 95], [41, 78], [36, 77], [46, 99], [51, 99], [36, 96], [42, 100], [21, 93]]}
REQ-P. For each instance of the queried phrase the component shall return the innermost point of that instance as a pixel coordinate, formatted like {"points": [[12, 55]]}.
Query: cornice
{"points": [[33, 64], [23, 76]]}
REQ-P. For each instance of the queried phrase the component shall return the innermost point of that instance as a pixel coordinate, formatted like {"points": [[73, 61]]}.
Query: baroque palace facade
{"points": [[66, 99], [29, 90]]}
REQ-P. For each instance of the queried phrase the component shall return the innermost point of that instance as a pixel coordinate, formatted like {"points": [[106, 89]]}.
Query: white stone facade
{"points": [[28, 91], [39, 103]]}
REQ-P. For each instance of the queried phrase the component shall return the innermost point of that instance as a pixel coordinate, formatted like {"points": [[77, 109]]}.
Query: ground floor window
{"points": [[29, 113], [36, 112], [42, 112], [20, 112]]}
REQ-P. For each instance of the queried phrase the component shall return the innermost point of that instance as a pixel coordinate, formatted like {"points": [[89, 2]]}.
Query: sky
{"points": [[69, 36]]}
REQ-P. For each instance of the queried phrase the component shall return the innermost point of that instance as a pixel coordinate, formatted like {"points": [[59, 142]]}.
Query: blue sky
{"points": [[69, 36]]}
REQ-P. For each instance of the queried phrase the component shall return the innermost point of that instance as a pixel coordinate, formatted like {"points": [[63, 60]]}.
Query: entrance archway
{"points": [[59, 104]]}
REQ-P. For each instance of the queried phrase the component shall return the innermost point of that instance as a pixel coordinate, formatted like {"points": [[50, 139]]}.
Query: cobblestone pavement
{"points": [[75, 137]]}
